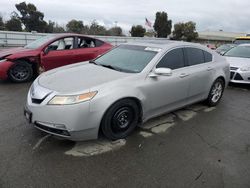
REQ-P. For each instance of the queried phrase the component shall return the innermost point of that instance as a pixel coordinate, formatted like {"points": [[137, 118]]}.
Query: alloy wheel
{"points": [[216, 92]]}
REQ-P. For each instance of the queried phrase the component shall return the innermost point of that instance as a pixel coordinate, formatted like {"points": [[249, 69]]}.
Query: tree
{"points": [[1, 23], [53, 27], [96, 29], [58, 29], [75, 26], [185, 31], [115, 31], [190, 31], [150, 33], [178, 32], [50, 27], [31, 17], [162, 25], [137, 31], [14, 24]]}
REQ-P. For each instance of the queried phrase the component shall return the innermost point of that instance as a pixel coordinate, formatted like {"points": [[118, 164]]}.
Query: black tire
{"points": [[120, 119], [216, 92], [21, 72]]}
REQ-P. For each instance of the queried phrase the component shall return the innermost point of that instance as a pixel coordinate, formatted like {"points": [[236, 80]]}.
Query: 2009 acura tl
{"points": [[124, 87]]}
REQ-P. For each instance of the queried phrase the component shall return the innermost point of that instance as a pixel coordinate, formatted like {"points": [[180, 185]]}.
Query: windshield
{"points": [[39, 42], [128, 58], [239, 51], [224, 47]]}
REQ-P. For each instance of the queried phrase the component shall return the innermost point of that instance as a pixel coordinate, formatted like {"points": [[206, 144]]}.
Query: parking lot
{"points": [[193, 147]]}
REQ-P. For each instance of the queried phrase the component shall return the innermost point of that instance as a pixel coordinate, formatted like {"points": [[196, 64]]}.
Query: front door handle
{"points": [[183, 75], [209, 68]]}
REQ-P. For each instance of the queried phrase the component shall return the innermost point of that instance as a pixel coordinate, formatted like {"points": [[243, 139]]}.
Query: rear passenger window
{"points": [[208, 57], [195, 56], [98, 43], [173, 60]]}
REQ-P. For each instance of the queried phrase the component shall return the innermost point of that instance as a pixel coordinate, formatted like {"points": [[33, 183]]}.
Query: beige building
{"points": [[218, 37]]}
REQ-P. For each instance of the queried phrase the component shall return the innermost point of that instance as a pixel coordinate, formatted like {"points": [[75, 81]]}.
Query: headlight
{"points": [[2, 60], [245, 68], [72, 99]]}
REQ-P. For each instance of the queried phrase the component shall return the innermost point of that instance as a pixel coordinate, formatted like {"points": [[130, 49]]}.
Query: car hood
{"points": [[238, 62], [10, 51], [78, 77]]}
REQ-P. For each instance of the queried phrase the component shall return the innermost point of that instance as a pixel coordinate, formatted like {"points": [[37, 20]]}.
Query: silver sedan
{"points": [[239, 60], [123, 88]]}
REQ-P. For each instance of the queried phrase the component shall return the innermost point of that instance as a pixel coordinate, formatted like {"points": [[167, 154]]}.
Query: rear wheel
{"points": [[216, 92], [20, 72], [120, 119]]}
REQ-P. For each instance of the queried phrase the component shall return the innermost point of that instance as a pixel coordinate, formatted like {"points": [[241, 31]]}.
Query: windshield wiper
{"points": [[110, 67], [107, 66], [93, 62]]}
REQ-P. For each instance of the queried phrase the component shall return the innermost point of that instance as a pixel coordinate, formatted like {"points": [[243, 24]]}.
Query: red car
{"points": [[48, 52]]}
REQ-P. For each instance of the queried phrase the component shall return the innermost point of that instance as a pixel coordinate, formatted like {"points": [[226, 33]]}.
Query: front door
{"points": [[59, 53], [165, 93]]}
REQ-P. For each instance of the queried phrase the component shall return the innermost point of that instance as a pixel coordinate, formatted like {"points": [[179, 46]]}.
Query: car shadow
{"points": [[9, 83], [239, 86]]}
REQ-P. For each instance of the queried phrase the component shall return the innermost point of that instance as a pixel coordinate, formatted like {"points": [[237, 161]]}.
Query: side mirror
{"points": [[160, 71], [46, 51]]}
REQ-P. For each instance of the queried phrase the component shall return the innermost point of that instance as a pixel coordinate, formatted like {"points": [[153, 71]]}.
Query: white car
{"points": [[239, 60]]}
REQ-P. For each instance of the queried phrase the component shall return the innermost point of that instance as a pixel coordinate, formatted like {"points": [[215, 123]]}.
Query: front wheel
{"points": [[216, 92], [21, 72], [120, 119]]}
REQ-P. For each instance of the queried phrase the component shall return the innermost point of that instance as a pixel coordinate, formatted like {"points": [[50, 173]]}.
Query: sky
{"points": [[213, 15]]}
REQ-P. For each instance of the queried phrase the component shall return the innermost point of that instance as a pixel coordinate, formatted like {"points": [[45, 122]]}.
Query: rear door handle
{"points": [[183, 75], [209, 68]]}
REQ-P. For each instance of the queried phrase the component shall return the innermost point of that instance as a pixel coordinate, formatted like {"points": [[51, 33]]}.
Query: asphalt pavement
{"points": [[193, 147]]}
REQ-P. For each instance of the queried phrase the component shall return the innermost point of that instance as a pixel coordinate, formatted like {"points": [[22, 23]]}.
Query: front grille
{"points": [[52, 130], [233, 68], [238, 77], [232, 75]]}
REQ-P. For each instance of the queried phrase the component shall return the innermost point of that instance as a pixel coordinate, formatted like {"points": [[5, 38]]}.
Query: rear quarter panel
{"points": [[222, 68]]}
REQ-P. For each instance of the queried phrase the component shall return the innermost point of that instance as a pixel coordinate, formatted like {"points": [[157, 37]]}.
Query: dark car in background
{"points": [[48, 52]]}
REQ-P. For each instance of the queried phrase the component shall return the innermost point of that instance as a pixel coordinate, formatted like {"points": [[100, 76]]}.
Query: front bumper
{"points": [[73, 122], [237, 76], [4, 69]]}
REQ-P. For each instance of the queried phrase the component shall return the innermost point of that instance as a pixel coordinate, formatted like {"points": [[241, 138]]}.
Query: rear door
{"points": [[200, 69], [87, 49], [58, 53], [165, 93]]}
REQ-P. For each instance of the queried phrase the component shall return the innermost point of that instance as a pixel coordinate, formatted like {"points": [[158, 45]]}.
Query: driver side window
{"points": [[173, 59], [62, 44]]}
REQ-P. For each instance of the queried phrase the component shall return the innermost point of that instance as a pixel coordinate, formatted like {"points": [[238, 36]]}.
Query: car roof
{"points": [[165, 44], [247, 44], [59, 35]]}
